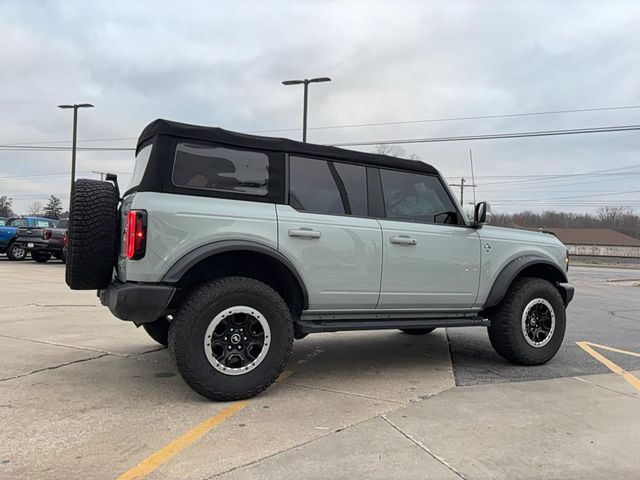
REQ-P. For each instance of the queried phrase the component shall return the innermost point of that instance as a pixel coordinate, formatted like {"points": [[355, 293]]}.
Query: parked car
{"points": [[227, 246], [9, 230], [43, 242]]}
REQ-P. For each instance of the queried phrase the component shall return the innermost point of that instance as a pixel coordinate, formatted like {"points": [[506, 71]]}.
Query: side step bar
{"points": [[317, 326]]}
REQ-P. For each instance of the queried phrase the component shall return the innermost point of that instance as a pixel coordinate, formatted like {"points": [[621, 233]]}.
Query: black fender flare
{"points": [[512, 270], [182, 266]]}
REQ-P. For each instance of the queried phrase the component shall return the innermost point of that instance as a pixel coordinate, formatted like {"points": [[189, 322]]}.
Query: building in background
{"points": [[599, 245]]}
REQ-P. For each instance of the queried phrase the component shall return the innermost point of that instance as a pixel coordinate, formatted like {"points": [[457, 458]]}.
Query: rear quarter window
{"points": [[220, 169], [142, 159]]}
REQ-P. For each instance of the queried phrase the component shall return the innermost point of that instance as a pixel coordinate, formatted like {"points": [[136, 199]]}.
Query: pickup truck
{"points": [[8, 233], [43, 242]]}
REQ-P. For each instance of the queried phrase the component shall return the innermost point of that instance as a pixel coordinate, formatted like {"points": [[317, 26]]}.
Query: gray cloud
{"points": [[221, 63]]}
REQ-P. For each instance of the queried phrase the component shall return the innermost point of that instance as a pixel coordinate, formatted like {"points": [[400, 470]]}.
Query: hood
{"points": [[516, 234]]}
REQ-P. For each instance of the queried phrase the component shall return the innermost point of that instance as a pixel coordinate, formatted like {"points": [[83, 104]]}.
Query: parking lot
{"points": [[84, 395]]}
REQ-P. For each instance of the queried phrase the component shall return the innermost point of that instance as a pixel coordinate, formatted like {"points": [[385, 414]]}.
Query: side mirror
{"points": [[481, 214]]}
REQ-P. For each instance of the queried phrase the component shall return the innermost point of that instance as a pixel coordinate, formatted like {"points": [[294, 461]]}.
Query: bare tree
{"points": [[622, 219], [35, 208], [395, 151]]}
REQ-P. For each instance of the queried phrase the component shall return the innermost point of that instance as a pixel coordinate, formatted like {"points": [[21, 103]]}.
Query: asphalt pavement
{"points": [[604, 311], [84, 395]]}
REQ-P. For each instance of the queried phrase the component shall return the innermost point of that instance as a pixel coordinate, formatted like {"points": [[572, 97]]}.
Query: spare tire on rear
{"points": [[92, 234]]}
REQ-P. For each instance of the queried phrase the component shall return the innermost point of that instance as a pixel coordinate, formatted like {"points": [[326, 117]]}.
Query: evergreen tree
{"points": [[53, 208], [5, 207]]}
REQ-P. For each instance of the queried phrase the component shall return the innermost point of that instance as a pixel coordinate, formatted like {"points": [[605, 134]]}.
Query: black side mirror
{"points": [[481, 214]]}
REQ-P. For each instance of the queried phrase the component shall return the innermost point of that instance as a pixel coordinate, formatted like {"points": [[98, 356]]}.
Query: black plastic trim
{"points": [[567, 291], [182, 266], [374, 193], [511, 271], [318, 326], [137, 302]]}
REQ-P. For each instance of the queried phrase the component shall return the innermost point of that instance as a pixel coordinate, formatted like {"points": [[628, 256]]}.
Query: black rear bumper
{"points": [[137, 302], [39, 244]]}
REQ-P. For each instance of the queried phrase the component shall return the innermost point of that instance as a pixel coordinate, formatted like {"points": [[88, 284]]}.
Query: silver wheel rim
{"points": [[237, 340], [538, 322], [18, 252]]}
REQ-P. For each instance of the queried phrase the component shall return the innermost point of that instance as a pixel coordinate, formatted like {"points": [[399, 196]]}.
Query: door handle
{"points": [[304, 233], [404, 240]]}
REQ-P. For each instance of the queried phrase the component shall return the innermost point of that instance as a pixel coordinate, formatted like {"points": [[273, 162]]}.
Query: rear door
{"points": [[431, 260], [325, 231]]}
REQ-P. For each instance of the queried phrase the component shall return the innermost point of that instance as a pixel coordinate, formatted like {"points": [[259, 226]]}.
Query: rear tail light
{"points": [[65, 239], [47, 234], [136, 234]]}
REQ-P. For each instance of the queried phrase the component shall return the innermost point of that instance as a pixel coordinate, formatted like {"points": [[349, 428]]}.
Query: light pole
{"points": [[306, 83], [75, 107]]}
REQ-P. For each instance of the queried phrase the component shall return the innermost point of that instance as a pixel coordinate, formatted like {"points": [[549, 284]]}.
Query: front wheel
{"points": [[231, 338], [528, 326], [40, 257], [15, 252]]}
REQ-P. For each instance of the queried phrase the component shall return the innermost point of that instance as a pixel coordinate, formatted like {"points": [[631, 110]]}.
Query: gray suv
{"points": [[227, 246]]}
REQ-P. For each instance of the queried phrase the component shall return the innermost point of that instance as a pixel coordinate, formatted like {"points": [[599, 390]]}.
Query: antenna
{"points": [[473, 178]]}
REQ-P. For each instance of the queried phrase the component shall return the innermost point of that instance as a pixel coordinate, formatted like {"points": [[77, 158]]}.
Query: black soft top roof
{"points": [[226, 137]]}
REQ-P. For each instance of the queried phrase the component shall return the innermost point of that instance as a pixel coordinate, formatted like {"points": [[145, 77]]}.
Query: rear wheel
{"points": [[528, 326], [93, 223], [40, 257], [231, 338], [158, 330], [15, 252], [417, 331]]}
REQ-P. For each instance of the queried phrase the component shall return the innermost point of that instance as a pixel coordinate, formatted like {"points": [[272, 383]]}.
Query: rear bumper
{"points": [[566, 290], [137, 302], [38, 244]]}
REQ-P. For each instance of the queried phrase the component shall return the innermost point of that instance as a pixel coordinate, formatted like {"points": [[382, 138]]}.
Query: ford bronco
{"points": [[227, 246]]}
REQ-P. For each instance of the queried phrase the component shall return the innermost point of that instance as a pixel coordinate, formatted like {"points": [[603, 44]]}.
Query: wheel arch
{"points": [[244, 258], [525, 266]]}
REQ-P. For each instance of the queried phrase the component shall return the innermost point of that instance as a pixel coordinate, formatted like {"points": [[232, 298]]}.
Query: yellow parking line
{"points": [[152, 462], [615, 368]]}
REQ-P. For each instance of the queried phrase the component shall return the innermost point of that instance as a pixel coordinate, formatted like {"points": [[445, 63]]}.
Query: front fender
{"points": [[511, 271]]}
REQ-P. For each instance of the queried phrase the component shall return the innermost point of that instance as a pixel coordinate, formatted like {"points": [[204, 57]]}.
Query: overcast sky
{"points": [[221, 63]]}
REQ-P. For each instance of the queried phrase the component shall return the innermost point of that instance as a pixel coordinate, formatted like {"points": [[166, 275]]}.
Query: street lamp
{"points": [[75, 107], [306, 83]]}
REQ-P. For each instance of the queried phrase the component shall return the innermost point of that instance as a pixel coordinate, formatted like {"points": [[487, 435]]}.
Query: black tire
{"points": [[158, 330], [40, 257], [417, 331], [16, 253], [188, 330], [92, 235], [506, 330]]}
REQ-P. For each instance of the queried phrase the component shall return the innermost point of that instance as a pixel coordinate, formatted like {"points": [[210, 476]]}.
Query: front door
{"points": [[431, 260]]}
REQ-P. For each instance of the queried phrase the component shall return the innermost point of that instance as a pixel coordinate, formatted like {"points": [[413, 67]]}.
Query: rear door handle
{"points": [[404, 240], [304, 233]]}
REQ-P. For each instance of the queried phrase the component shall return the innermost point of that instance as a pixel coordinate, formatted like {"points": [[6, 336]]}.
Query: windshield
{"points": [[63, 223], [141, 164]]}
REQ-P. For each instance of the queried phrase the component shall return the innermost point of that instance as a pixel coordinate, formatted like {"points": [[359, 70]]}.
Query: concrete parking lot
{"points": [[84, 395]]}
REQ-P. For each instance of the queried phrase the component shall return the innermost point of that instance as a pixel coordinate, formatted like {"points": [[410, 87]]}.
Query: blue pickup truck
{"points": [[8, 234]]}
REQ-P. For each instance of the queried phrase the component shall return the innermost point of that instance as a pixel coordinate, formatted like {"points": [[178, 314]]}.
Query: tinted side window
{"points": [[411, 197], [354, 179], [221, 169], [17, 222], [312, 186]]}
